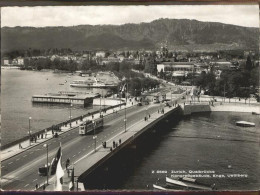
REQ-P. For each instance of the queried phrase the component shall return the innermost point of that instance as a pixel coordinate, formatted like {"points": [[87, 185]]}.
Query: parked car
{"points": [[139, 104]]}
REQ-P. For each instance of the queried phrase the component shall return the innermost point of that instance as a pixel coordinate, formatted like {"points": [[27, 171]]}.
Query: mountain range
{"points": [[179, 34]]}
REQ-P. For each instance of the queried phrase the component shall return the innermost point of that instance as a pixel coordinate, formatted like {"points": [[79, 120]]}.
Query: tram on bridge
{"points": [[89, 126]]}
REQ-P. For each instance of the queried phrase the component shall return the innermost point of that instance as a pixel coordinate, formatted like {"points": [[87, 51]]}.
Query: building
{"points": [[121, 58], [20, 61], [177, 69], [100, 54], [223, 65], [6, 62]]}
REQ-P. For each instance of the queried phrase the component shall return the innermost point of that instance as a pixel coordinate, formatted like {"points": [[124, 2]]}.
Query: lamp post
{"points": [[125, 118], [100, 105], [125, 104], [224, 91], [47, 175], [94, 135], [171, 96], [70, 113], [29, 132]]}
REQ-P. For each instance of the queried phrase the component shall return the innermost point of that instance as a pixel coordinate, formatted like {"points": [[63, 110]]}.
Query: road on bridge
{"points": [[20, 172]]}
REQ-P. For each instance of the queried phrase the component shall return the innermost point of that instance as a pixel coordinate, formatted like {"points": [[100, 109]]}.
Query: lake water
{"points": [[16, 106], [202, 142], [208, 141]]}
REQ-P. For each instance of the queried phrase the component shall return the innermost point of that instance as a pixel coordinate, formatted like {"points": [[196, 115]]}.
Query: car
{"points": [[43, 170], [139, 104]]}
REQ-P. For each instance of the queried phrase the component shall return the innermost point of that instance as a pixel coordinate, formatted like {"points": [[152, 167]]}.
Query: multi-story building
{"points": [[177, 69]]}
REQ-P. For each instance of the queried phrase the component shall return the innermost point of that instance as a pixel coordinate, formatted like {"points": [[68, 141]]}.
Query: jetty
{"points": [[65, 98]]}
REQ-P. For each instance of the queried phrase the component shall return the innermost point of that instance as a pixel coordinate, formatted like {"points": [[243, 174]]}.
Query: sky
{"points": [[242, 15]]}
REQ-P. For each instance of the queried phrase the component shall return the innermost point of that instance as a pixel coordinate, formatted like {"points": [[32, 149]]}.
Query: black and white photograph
{"points": [[157, 98]]}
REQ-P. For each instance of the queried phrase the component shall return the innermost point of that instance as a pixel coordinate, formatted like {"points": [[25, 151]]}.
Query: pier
{"points": [[65, 98]]}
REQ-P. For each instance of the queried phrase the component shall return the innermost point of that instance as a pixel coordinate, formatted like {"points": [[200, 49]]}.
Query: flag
{"points": [[71, 185], [59, 171]]}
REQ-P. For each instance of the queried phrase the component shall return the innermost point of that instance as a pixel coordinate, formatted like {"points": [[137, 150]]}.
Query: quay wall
{"points": [[220, 107]]}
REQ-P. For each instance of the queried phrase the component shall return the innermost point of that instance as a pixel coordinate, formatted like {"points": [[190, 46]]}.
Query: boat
{"points": [[245, 124], [159, 187], [92, 84], [164, 188], [189, 183], [81, 83], [256, 113]]}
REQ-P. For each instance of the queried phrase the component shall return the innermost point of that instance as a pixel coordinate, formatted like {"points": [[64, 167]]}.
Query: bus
{"points": [[89, 126]]}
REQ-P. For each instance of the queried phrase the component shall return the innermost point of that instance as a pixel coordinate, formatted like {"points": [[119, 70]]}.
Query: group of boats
{"points": [[184, 183]]}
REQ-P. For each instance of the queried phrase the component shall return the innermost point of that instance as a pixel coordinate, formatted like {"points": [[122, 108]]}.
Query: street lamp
{"points": [[171, 96], [100, 104], [70, 113], [29, 132], [125, 104], [46, 146], [125, 118], [94, 136]]}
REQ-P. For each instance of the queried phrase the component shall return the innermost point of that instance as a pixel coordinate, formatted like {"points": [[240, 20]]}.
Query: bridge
{"points": [[20, 170]]}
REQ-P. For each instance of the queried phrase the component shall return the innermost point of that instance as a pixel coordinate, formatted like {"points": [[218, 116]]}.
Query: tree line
{"points": [[232, 83]]}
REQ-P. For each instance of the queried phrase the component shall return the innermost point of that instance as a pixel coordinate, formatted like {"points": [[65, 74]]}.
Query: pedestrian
{"points": [[20, 146], [68, 172], [92, 116], [119, 141], [52, 131], [36, 186], [67, 163], [42, 135]]}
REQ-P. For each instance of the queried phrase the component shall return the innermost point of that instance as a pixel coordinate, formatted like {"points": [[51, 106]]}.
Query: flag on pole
{"points": [[59, 171], [71, 185]]}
